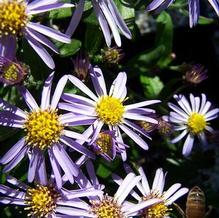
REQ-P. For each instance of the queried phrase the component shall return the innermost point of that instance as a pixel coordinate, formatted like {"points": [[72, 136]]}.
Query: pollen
{"points": [[41, 201], [196, 123], [42, 128], [110, 110], [107, 208], [157, 211], [104, 141], [13, 17], [11, 73]]}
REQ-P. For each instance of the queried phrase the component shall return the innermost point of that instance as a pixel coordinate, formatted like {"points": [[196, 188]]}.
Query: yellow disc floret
{"points": [[107, 208], [41, 201], [196, 123], [13, 17], [104, 141], [42, 128], [157, 211], [11, 73], [110, 110]]}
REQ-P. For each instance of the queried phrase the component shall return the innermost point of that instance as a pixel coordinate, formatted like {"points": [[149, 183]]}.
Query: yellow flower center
{"points": [[42, 128], [107, 208], [104, 141], [157, 211], [13, 17], [110, 110], [196, 123], [41, 201], [11, 73]]}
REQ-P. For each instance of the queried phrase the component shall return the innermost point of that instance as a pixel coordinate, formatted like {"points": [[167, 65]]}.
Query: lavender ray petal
{"points": [[45, 98], [47, 8], [82, 87], [49, 32], [74, 145], [58, 91], [33, 165], [13, 109], [154, 5], [118, 19], [38, 3], [55, 169], [102, 21], [75, 18], [111, 22], [134, 137], [188, 144], [13, 152], [42, 39], [30, 101], [77, 99], [44, 55], [141, 104], [98, 81], [15, 160]]}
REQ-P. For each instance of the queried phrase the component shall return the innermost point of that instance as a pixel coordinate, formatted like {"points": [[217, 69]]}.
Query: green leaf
{"points": [[67, 50], [152, 86], [144, 61], [126, 9], [164, 37], [93, 39], [205, 21], [103, 171], [60, 13]]}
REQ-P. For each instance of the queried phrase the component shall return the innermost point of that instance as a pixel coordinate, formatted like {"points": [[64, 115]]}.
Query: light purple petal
{"points": [[13, 152], [188, 144], [75, 18], [58, 91], [45, 99], [49, 32], [44, 55], [134, 137]]}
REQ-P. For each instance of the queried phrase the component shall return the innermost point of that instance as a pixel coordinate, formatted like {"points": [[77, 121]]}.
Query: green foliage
{"points": [[70, 49], [152, 86]]}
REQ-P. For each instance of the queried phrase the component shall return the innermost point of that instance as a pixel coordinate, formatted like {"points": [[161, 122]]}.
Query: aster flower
{"points": [[108, 17], [195, 74], [106, 145], [12, 72], [192, 119], [15, 19], [106, 206], [45, 132], [44, 200], [112, 55], [194, 8], [108, 110], [168, 197]]}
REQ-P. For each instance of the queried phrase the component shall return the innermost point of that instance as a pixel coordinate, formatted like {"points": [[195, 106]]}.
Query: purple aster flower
{"points": [[12, 72], [108, 17], [106, 145], [192, 119], [45, 200], [194, 8], [15, 19], [168, 197], [106, 206], [195, 74], [108, 110], [45, 131]]}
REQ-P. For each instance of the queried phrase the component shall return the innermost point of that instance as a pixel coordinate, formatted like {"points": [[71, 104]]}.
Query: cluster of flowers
{"points": [[47, 131], [49, 136]]}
